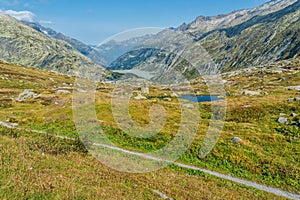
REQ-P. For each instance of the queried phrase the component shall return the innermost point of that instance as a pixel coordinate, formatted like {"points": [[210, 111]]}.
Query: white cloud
{"points": [[20, 15]]}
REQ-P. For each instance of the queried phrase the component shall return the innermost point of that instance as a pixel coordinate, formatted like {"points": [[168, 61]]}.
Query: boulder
{"points": [[145, 90], [250, 93], [12, 125], [237, 140], [62, 92], [295, 88], [167, 99], [293, 115], [140, 97], [294, 123], [174, 95], [282, 120], [188, 105], [294, 99], [27, 94]]}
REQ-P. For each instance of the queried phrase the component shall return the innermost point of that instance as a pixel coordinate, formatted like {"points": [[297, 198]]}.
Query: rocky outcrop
{"points": [[282, 120], [27, 94]]}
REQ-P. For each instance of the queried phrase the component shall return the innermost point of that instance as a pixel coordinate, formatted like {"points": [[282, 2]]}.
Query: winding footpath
{"points": [[261, 187]]}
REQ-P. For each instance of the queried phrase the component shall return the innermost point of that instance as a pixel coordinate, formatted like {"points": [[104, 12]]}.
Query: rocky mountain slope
{"points": [[112, 49], [22, 45], [238, 40], [203, 24], [86, 50]]}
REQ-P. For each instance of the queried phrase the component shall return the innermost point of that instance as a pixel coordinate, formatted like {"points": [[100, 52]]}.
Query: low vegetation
{"points": [[38, 167]]}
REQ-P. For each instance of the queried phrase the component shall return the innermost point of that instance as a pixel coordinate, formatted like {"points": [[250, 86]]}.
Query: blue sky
{"points": [[92, 21]]}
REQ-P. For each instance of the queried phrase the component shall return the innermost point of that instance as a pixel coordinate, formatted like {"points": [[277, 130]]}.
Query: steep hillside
{"points": [[112, 49], [203, 24], [238, 40], [86, 50], [22, 45], [260, 40]]}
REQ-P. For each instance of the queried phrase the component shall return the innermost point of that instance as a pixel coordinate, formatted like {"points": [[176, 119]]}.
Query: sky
{"points": [[93, 21]]}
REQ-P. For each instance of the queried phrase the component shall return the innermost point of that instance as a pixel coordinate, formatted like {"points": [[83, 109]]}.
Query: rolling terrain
{"points": [[256, 54], [267, 155]]}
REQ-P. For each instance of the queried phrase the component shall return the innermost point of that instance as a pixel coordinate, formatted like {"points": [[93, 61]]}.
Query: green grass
{"points": [[269, 154], [43, 167]]}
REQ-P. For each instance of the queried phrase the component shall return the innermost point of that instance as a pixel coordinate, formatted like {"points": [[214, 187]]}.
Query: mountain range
{"points": [[22, 45], [241, 39], [238, 40], [84, 49]]}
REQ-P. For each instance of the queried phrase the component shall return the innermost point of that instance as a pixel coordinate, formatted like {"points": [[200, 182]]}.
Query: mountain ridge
{"points": [[25, 46], [84, 49], [260, 40]]}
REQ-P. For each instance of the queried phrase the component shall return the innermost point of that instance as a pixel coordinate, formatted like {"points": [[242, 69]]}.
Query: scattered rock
{"points": [[60, 102], [145, 90], [11, 125], [167, 99], [174, 95], [237, 140], [188, 105], [282, 120], [27, 94], [81, 90], [293, 114], [294, 123], [62, 92], [15, 125], [278, 71], [140, 97], [295, 88], [294, 99], [250, 93]]}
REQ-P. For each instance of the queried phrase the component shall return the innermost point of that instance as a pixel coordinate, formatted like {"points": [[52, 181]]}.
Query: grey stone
{"points": [[174, 95], [62, 92], [188, 105], [140, 97], [294, 123], [145, 90], [236, 140], [11, 125], [282, 120], [27, 94], [167, 99], [293, 114], [294, 99], [295, 88], [250, 93]]}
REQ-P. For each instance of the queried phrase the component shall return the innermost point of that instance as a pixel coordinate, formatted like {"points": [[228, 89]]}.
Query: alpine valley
{"points": [[223, 89]]}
